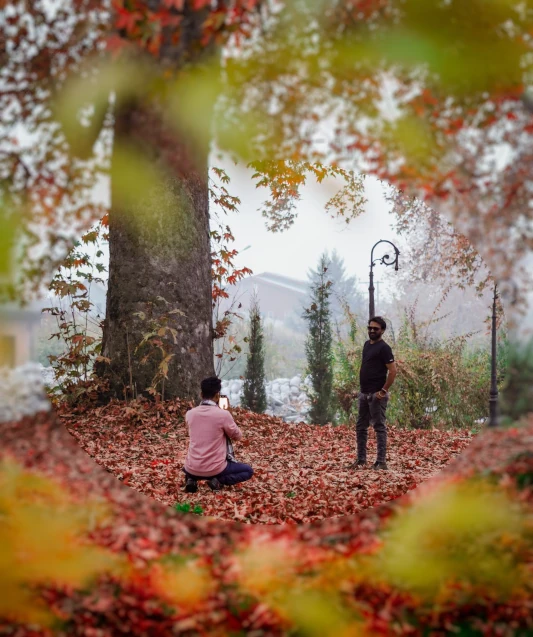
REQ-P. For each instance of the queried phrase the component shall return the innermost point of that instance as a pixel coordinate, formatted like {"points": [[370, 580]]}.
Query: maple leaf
{"points": [[127, 20]]}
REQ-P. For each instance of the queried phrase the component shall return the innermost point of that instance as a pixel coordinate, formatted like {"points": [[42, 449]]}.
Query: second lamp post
{"points": [[494, 416], [386, 259]]}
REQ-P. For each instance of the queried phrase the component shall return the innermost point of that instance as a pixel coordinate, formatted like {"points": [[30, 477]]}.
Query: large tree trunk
{"points": [[160, 255], [159, 247]]}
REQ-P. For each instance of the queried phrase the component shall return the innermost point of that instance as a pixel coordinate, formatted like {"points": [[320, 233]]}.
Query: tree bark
{"points": [[159, 243], [159, 247]]}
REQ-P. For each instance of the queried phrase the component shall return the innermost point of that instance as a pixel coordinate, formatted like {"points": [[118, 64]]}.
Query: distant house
{"points": [[18, 333], [279, 296], [19, 326]]}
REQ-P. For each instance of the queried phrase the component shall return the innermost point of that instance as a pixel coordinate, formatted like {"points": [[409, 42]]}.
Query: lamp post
{"points": [[494, 418], [386, 259]]}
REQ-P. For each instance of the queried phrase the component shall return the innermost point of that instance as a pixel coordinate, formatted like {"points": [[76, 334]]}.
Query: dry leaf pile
{"points": [[195, 575], [300, 470]]}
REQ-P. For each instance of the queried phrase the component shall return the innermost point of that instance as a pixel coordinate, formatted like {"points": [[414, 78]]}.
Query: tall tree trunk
{"points": [[160, 254], [159, 247]]}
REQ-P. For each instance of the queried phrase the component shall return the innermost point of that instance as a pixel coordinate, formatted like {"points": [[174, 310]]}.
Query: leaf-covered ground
{"points": [[243, 597], [301, 472]]}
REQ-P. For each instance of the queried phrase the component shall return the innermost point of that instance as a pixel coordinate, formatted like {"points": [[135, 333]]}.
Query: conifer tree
{"points": [[318, 347], [254, 393], [344, 292]]}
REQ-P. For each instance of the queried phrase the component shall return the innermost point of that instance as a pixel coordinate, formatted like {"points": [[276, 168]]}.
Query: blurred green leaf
{"points": [[413, 137], [10, 227], [317, 614], [135, 178], [93, 88], [191, 99], [469, 46], [459, 532]]}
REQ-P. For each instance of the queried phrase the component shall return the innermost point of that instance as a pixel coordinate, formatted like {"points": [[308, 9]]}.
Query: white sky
{"points": [[293, 251]]}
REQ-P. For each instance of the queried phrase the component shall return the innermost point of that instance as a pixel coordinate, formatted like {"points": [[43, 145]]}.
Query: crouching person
{"points": [[207, 457]]}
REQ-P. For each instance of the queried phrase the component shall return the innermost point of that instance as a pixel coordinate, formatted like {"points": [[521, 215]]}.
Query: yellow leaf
{"points": [[316, 614], [42, 541], [184, 585], [9, 237], [265, 567]]}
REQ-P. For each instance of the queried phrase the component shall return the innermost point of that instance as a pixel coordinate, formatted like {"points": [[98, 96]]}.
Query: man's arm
{"points": [[391, 375], [230, 428]]}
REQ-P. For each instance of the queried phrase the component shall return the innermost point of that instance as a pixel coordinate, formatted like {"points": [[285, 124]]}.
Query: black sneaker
{"points": [[191, 486], [214, 484], [358, 464], [380, 465]]}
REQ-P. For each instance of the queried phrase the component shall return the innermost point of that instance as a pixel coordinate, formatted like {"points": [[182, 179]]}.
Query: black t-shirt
{"points": [[373, 372]]}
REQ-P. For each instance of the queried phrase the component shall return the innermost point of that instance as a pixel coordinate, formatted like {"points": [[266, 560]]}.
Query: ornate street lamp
{"points": [[386, 259], [494, 416]]}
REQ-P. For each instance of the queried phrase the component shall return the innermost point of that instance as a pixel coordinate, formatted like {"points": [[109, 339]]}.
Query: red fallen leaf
{"points": [[127, 19], [165, 461]]}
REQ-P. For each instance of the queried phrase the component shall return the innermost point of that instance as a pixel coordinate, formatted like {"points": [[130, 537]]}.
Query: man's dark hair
{"points": [[210, 387], [379, 321]]}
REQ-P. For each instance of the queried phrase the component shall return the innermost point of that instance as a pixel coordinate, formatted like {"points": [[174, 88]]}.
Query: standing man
{"points": [[207, 457], [378, 371]]}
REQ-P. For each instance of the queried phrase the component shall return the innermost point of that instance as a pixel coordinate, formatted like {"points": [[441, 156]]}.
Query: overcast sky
{"points": [[294, 251]]}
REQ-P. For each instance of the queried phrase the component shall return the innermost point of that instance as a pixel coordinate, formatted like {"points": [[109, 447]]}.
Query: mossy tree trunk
{"points": [[160, 254]]}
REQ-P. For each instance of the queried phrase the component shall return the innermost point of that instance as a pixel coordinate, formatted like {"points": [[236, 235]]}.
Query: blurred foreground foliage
{"points": [[42, 542], [452, 556]]}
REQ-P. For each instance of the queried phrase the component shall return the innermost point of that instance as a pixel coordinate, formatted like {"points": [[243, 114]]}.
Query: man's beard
{"points": [[374, 337]]}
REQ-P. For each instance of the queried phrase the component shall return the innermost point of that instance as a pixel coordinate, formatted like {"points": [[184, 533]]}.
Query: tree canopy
{"points": [[431, 97]]}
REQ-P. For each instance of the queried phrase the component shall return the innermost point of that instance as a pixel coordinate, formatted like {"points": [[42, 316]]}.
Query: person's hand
{"points": [[381, 394]]}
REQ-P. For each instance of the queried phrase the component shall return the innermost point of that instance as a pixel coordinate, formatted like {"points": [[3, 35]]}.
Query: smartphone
{"points": [[223, 403]]}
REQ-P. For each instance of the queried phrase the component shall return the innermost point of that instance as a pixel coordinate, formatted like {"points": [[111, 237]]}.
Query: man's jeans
{"points": [[371, 409], [234, 473]]}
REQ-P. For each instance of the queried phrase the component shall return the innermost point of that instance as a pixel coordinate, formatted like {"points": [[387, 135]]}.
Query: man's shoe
{"points": [[191, 486], [357, 465], [380, 465], [214, 484]]}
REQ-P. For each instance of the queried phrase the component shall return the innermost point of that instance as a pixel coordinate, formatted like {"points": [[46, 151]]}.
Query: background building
{"points": [[18, 333], [279, 296]]}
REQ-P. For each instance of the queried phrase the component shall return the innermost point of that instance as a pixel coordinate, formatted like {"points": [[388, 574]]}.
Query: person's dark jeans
{"points": [[371, 409], [234, 473]]}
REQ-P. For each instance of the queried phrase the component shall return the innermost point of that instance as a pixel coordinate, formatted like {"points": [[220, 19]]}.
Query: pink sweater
{"points": [[207, 445]]}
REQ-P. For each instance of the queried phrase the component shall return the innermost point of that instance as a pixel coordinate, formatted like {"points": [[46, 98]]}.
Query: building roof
{"points": [[286, 282], [29, 312]]}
